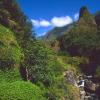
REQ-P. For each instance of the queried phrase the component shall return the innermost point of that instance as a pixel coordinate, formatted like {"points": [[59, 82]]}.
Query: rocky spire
{"points": [[85, 18], [84, 12]]}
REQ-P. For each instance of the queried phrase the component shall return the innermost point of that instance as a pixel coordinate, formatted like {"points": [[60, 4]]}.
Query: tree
{"points": [[41, 63]]}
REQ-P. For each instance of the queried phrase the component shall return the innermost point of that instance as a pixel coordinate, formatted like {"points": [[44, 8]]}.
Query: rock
{"points": [[93, 87], [70, 78], [98, 91], [97, 19], [86, 18], [82, 94], [83, 12]]}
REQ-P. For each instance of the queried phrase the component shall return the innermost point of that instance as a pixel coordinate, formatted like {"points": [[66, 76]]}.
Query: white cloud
{"points": [[35, 22], [76, 16], [45, 23], [40, 23], [61, 21], [55, 22]]}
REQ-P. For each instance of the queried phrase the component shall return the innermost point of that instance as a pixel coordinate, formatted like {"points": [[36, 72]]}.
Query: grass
{"points": [[11, 75], [9, 48], [20, 90]]}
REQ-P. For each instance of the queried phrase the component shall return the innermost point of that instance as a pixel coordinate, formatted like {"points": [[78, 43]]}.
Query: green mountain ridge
{"points": [[57, 32], [83, 40]]}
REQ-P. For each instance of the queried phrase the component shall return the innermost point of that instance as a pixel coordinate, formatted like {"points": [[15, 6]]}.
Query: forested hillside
{"points": [[29, 69], [57, 32], [32, 69], [83, 42]]}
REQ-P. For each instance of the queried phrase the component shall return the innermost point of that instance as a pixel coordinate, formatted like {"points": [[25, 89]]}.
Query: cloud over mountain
{"points": [[40, 23], [61, 21], [54, 22]]}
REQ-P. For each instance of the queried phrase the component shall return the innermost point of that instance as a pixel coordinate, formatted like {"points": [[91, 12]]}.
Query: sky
{"points": [[47, 14]]}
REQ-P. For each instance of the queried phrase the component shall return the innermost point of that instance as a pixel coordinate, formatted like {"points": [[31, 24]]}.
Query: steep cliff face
{"points": [[86, 23], [82, 34], [83, 40], [85, 18]]}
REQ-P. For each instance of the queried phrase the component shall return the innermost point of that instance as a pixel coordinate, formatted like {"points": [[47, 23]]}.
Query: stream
{"points": [[87, 87], [85, 84]]}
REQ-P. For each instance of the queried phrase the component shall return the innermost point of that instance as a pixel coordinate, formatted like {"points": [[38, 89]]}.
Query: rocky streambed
{"points": [[88, 88]]}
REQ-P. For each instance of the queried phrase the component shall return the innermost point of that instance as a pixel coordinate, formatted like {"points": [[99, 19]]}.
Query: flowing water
{"points": [[87, 88]]}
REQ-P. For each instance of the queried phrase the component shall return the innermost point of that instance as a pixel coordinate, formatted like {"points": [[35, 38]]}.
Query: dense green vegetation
{"points": [[82, 46], [31, 69], [20, 91], [43, 69], [10, 51], [9, 76], [42, 62], [83, 40]]}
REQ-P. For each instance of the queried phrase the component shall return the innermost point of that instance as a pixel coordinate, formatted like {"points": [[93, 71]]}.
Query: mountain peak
{"points": [[85, 18], [83, 12]]}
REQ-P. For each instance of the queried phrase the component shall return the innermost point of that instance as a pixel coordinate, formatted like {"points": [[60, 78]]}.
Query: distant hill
{"points": [[57, 32], [85, 19]]}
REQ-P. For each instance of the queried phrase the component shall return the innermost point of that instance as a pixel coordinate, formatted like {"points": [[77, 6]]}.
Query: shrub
{"points": [[10, 52], [42, 63], [20, 90], [11, 75], [72, 93]]}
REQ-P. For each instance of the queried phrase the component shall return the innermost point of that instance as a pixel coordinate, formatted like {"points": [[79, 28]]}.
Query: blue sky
{"points": [[46, 14]]}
